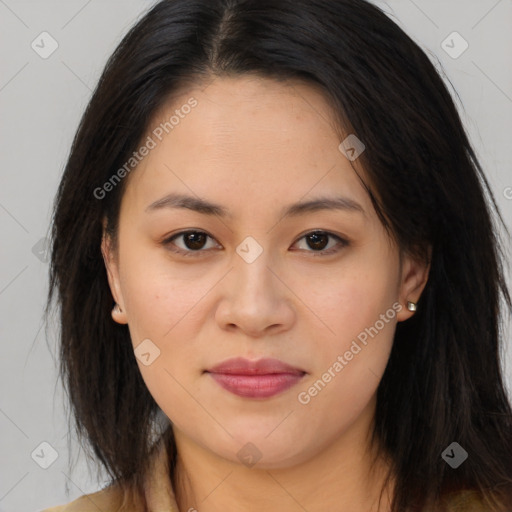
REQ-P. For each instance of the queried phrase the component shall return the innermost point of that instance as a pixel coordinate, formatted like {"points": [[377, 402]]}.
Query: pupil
{"points": [[192, 242], [315, 237]]}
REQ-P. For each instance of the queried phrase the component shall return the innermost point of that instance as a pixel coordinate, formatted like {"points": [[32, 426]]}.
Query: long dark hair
{"points": [[443, 382]]}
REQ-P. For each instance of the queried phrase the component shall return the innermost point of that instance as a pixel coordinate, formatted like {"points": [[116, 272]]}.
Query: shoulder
{"points": [[157, 492], [109, 499], [466, 501]]}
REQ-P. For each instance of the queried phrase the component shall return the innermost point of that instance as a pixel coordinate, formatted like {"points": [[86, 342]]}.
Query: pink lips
{"points": [[255, 379]]}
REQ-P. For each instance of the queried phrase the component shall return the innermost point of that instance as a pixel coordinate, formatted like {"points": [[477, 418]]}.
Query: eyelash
{"points": [[191, 253]]}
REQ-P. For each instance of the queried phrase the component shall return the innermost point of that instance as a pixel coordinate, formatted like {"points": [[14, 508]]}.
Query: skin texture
{"points": [[256, 145]]}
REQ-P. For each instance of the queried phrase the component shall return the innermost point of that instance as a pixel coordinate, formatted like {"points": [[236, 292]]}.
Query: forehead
{"points": [[246, 141]]}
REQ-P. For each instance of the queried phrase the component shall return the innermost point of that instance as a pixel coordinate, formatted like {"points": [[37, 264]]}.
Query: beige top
{"points": [[159, 495]]}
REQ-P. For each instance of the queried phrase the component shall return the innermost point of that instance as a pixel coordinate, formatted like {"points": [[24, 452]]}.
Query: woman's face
{"points": [[253, 281]]}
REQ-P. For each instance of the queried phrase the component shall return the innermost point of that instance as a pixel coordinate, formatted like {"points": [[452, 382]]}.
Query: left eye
{"points": [[318, 240], [194, 242]]}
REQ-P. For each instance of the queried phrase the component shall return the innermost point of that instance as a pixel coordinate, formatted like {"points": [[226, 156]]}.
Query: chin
{"points": [[259, 451]]}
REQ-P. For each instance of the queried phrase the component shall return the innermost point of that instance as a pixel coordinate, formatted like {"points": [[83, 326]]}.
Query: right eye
{"points": [[193, 242]]}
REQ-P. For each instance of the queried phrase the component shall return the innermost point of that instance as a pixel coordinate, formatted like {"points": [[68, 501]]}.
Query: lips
{"points": [[255, 379], [266, 366]]}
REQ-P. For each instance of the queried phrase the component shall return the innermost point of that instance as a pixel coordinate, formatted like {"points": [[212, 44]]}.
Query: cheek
{"points": [[167, 308], [353, 298], [352, 355], [158, 297], [347, 369], [164, 309]]}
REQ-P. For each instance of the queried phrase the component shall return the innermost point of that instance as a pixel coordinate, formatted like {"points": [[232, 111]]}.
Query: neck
{"points": [[347, 476]]}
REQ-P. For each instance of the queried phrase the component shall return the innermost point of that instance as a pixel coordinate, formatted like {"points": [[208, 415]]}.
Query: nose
{"points": [[255, 299]]}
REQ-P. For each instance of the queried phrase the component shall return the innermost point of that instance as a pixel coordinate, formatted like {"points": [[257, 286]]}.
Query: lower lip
{"points": [[256, 386]]}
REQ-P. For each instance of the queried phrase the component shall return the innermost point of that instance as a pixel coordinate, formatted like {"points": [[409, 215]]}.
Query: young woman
{"points": [[276, 260]]}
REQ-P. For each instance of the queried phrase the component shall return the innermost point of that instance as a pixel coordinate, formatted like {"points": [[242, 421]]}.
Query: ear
{"points": [[414, 276], [112, 267]]}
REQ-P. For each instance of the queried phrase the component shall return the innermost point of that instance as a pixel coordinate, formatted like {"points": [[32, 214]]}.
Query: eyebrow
{"points": [[174, 200]]}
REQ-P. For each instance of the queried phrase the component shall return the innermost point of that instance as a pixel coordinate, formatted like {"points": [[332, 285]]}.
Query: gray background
{"points": [[41, 102]]}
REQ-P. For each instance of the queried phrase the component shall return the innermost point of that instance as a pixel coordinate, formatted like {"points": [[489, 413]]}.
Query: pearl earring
{"points": [[411, 306]]}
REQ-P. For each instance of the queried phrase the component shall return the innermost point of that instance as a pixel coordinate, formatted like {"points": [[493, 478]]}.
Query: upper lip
{"points": [[265, 366]]}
